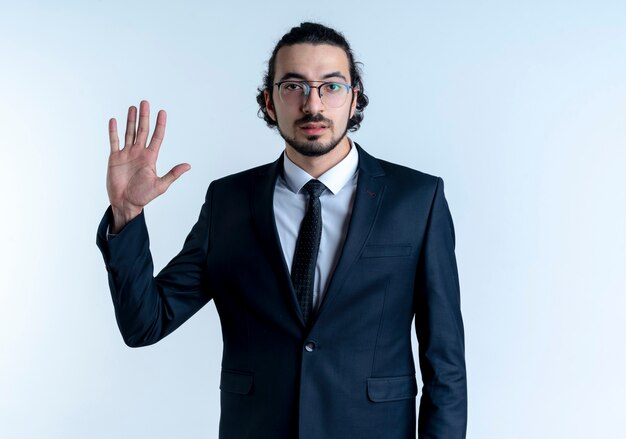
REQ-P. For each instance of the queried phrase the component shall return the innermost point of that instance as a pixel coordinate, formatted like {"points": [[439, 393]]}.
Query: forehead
{"points": [[312, 61]]}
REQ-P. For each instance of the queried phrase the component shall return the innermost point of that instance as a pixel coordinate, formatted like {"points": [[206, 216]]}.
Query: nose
{"points": [[313, 103]]}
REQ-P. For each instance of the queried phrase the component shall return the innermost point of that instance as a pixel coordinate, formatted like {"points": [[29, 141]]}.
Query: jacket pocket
{"points": [[386, 251], [392, 388], [236, 382]]}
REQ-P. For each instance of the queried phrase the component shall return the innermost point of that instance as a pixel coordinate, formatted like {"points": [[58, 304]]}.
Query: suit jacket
{"points": [[351, 372]]}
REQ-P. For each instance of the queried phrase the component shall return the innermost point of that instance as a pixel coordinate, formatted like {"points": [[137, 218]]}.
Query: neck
{"points": [[316, 166]]}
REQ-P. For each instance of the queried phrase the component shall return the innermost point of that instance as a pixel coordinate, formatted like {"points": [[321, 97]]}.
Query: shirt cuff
{"points": [[110, 235]]}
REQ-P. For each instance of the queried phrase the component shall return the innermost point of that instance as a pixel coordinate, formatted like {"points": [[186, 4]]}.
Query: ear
{"points": [[355, 95], [269, 105]]}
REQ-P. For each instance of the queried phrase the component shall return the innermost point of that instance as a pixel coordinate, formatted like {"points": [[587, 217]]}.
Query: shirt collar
{"points": [[334, 179]]}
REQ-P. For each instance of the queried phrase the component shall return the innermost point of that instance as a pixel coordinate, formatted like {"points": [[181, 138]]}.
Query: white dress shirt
{"points": [[290, 205]]}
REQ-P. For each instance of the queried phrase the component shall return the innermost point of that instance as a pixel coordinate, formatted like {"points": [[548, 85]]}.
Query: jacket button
{"points": [[310, 346]]}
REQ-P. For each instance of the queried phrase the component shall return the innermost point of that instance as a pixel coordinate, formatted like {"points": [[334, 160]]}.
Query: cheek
{"points": [[345, 119], [284, 117]]}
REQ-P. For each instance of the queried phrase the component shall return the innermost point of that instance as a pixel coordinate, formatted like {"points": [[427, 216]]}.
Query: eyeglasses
{"points": [[332, 94]]}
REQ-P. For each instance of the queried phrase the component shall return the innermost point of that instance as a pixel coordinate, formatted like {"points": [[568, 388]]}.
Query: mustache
{"points": [[314, 118]]}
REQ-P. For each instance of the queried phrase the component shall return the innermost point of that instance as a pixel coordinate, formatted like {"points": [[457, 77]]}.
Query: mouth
{"points": [[312, 129]]}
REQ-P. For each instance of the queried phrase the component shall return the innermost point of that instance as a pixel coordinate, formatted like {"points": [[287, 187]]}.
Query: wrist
{"points": [[121, 217]]}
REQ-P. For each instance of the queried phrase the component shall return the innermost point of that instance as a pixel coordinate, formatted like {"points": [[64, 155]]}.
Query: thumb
{"points": [[173, 175]]}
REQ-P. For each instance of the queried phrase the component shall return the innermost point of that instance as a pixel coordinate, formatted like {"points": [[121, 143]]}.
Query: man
{"points": [[317, 264]]}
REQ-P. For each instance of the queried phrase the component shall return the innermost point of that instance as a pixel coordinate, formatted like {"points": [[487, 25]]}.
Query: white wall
{"points": [[519, 106]]}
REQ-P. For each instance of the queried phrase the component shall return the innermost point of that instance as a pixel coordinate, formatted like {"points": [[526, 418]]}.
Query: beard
{"points": [[311, 147]]}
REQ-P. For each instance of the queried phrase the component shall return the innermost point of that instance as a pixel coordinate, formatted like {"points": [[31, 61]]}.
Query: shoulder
{"points": [[244, 179], [404, 173], [396, 174]]}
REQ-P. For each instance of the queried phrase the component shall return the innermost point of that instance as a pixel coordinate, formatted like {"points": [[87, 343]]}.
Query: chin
{"points": [[312, 146], [312, 150]]}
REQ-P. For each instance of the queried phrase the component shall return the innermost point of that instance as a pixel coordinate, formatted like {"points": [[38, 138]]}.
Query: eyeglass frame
{"points": [[308, 88]]}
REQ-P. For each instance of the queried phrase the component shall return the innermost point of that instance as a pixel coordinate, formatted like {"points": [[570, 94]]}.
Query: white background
{"points": [[519, 106]]}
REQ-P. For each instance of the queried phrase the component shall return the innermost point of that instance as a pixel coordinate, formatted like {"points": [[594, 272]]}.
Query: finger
{"points": [[114, 141], [144, 123], [159, 131], [131, 120], [173, 175]]}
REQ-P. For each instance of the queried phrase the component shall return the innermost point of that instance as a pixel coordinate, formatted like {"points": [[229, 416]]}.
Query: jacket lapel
{"points": [[369, 193], [262, 208]]}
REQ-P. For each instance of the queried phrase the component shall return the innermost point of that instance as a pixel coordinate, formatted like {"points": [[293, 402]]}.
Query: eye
{"points": [[333, 87], [293, 87]]}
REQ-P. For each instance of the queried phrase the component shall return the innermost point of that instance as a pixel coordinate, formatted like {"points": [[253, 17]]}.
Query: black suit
{"points": [[352, 374]]}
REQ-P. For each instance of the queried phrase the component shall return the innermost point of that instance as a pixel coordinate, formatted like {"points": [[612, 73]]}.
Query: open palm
{"points": [[132, 181]]}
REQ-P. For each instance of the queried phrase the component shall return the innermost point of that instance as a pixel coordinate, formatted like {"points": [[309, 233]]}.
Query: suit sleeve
{"points": [[439, 327], [148, 308]]}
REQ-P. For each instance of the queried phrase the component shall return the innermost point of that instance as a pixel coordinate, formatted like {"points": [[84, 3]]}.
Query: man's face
{"points": [[309, 126]]}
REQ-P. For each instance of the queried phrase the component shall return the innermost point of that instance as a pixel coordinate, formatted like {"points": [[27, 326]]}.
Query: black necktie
{"points": [[307, 246]]}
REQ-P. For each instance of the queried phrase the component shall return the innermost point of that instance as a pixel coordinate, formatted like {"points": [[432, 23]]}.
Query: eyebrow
{"points": [[294, 75]]}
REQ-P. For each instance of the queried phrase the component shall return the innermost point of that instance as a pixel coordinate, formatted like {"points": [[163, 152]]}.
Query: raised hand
{"points": [[132, 181]]}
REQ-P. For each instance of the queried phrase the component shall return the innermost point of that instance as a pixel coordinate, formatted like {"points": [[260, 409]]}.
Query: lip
{"points": [[313, 128]]}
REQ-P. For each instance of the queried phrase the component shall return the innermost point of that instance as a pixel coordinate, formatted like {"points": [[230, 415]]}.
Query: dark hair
{"points": [[314, 33]]}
